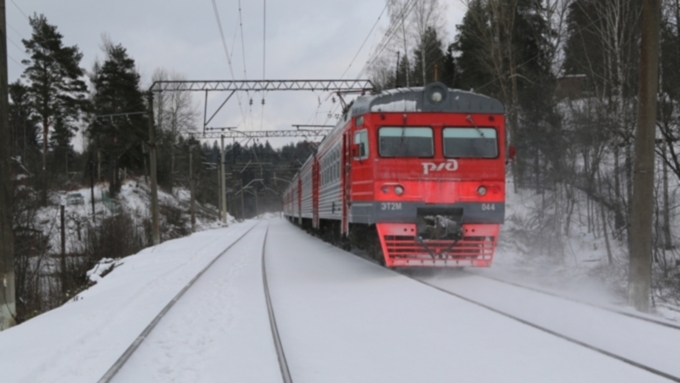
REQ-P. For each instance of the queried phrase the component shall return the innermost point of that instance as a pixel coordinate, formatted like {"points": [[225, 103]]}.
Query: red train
{"points": [[414, 175]]}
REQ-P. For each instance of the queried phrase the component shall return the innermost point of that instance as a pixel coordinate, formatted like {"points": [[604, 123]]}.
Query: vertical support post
{"points": [[7, 292], [243, 204], [640, 238], [155, 230], [92, 190], [219, 197], [63, 250], [192, 207], [257, 206], [223, 185]]}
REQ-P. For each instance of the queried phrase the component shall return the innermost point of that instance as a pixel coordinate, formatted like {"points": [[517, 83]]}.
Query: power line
{"points": [[243, 45], [15, 44], [384, 42], [264, 55], [365, 40], [20, 10], [264, 39], [12, 58], [226, 52]]}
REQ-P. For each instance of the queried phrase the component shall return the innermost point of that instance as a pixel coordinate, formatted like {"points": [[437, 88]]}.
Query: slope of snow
{"points": [[79, 341]]}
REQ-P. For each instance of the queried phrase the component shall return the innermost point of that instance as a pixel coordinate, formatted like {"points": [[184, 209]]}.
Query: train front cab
{"points": [[433, 183]]}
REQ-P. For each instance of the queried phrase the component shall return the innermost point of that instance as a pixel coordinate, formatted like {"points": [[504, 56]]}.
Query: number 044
{"points": [[488, 207]]}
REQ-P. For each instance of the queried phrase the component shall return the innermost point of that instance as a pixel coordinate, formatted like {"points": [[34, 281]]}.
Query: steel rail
{"points": [[115, 368], [547, 330], [621, 312], [283, 364]]}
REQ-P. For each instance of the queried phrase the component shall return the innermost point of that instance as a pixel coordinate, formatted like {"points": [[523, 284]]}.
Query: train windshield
{"points": [[406, 142], [470, 143]]}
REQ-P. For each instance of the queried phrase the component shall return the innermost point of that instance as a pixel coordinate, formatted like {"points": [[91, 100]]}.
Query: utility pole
{"points": [[223, 185], [640, 241], [191, 187], [92, 190], [243, 204], [156, 237], [7, 292], [63, 249]]}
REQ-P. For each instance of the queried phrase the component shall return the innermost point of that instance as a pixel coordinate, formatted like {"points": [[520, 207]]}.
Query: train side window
{"points": [[361, 139], [470, 143]]}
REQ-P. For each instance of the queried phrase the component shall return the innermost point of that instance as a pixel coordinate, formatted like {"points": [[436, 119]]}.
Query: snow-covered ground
{"points": [[341, 319]]}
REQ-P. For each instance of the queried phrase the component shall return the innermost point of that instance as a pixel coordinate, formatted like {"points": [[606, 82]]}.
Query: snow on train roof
{"points": [[414, 100]]}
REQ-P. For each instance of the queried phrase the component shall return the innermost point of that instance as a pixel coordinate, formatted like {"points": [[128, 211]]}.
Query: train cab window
{"points": [[361, 139], [406, 142], [470, 143]]}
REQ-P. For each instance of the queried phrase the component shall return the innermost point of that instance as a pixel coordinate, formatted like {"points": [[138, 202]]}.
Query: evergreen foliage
{"points": [[56, 87], [117, 135]]}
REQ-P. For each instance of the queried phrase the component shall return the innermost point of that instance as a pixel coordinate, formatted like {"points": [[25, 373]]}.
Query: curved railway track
{"points": [[552, 332], [621, 312], [120, 362], [283, 364]]}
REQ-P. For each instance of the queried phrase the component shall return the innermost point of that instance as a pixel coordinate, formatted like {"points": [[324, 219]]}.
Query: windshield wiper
{"points": [[469, 118]]}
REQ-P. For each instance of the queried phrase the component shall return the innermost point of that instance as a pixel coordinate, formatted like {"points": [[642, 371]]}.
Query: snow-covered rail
{"points": [[537, 325], [283, 364], [610, 309], [111, 373]]}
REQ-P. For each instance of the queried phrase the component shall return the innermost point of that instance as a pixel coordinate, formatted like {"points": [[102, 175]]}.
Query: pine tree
{"points": [[431, 47], [56, 87], [117, 91], [60, 142], [24, 129], [472, 60]]}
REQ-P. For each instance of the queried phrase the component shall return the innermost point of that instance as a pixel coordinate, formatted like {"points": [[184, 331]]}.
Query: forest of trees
{"points": [[567, 72], [56, 98]]}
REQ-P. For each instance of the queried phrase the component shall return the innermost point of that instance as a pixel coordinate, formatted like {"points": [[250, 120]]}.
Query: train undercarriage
{"points": [[436, 240]]}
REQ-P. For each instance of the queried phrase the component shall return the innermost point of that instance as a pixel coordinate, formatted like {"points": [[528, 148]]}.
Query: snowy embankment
{"points": [[133, 199], [79, 341], [534, 249]]}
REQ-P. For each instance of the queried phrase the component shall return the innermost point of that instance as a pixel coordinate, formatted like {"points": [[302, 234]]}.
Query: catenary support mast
{"points": [[7, 291], [640, 241]]}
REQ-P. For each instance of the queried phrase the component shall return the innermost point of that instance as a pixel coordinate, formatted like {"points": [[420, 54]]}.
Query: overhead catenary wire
{"points": [[384, 43], [365, 40], [20, 10], [370, 32], [226, 52], [264, 55], [245, 70]]}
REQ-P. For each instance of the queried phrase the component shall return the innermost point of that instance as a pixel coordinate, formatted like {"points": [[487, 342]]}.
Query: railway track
{"points": [[621, 312], [281, 356], [120, 362], [556, 333]]}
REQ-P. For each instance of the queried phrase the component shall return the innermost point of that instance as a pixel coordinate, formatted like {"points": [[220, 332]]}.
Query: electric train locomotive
{"points": [[415, 175]]}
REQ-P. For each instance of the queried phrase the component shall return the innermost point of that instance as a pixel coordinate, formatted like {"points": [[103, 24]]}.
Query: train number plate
{"points": [[488, 207], [390, 206]]}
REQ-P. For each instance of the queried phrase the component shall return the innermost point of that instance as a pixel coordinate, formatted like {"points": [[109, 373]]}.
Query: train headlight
{"points": [[436, 96], [481, 191], [399, 190]]}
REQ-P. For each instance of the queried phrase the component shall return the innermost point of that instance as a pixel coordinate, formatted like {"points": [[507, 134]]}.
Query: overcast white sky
{"points": [[305, 39]]}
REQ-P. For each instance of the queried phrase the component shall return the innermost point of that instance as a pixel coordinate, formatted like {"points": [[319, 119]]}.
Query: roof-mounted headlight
{"points": [[436, 96]]}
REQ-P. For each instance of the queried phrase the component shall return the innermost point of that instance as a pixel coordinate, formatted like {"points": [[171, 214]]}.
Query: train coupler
{"points": [[439, 223]]}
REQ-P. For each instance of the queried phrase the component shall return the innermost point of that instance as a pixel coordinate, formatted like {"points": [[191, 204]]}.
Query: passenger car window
{"points": [[406, 142], [470, 143]]}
